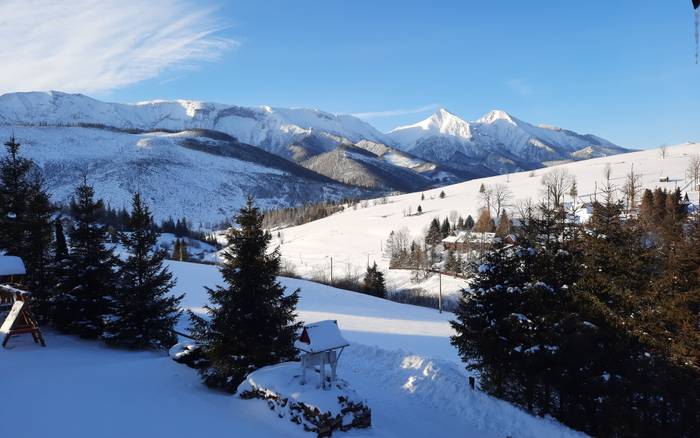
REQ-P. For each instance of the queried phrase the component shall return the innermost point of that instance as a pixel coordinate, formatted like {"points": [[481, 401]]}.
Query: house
{"points": [[466, 241], [320, 344]]}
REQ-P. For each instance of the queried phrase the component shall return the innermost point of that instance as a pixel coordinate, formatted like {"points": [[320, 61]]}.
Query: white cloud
{"points": [[99, 45], [396, 112]]}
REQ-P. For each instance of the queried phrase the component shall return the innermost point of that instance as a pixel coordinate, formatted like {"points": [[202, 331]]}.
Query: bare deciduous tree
{"points": [[632, 187], [453, 217], [502, 195], [607, 171], [694, 170], [663, 151], [486, 196], [557, 183]]}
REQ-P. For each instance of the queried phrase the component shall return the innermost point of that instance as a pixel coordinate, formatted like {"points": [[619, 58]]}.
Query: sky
{"points": [[624, 70]]}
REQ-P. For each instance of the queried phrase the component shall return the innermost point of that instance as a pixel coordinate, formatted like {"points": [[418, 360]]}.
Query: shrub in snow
{"points": [[316, 410]]}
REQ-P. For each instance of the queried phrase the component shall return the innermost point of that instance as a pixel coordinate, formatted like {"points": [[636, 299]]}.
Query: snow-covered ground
{"points": [[400, 360], [357, 236]]}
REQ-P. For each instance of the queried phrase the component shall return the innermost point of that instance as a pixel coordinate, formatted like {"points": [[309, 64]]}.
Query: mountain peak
{"points": [[496, 115]]}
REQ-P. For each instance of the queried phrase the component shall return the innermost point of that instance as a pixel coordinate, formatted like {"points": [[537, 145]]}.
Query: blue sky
{"points": [[621, 69]]}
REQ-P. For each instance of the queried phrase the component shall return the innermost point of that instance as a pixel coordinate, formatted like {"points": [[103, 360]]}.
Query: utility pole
{"points": [[440, 291]]}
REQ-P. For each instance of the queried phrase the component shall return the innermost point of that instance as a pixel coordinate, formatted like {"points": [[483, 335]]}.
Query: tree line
{"points": [[595, 324], [81, 286]]}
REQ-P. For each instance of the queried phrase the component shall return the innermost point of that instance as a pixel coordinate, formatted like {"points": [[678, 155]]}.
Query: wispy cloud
{"points": [[520, 86], [99, 45], [396, 112]]}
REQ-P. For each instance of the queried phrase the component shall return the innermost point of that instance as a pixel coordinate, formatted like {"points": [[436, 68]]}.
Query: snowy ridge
{"points": [[443, 135], [273, 129]]}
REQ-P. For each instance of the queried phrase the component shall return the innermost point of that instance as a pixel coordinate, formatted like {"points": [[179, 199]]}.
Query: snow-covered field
{"points": [[355, 236], [400, 360]]}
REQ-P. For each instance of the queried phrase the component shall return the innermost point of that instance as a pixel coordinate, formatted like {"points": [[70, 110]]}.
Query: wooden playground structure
{"points": [[17, 303]]}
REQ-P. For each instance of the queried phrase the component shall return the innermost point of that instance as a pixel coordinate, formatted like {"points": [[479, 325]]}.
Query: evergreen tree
{"points": [[422, 196], [180, 252], [14, 192], [442, 194], [144, 313], [251, 320], [419, 210], [25, 223], [646, 210], [460, 223], [469, 222], [60, 245], [36, 253], [90, 280], [434, 235], [373, 283], [445, 228]]}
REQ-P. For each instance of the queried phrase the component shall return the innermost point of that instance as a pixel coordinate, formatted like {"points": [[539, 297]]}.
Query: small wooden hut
{"points": [[320, 344]]}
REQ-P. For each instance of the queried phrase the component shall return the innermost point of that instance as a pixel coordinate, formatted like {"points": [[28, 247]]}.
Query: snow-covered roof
{"points": [[470, 236], [321, 336], [11, 265]]}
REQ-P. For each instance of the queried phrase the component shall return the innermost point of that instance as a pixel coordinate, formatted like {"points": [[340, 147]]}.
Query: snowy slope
{"points": [[400, 360], [444, 136], [187, 174], [353, 237]]}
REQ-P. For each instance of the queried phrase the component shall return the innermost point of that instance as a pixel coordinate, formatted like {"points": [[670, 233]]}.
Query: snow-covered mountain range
{"points": [[497, 140], [283, 156]]}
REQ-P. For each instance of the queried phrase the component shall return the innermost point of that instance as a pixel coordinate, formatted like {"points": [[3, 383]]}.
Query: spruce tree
{"points": [[60, 245], [25, 223], [144, 313], [373, 282], [14, 192], [36, 253], [469, 223], [90, 281], [250, 321], [434, 235], [445, 228]]}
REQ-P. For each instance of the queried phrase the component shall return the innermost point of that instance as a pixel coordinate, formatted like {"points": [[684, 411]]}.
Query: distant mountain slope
{"points": [[294, 134], [339, 155], [498, 140], [352, 237], [202, 175], [273, 129]]}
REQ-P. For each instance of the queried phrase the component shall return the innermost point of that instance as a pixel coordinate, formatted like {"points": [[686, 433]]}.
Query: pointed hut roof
{"points": [[321, 336]]}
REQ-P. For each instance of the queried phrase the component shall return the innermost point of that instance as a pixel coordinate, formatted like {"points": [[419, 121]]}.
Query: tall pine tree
{"points": [[90, 280], [144, 312], [251, 320], [25, 223]]}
